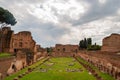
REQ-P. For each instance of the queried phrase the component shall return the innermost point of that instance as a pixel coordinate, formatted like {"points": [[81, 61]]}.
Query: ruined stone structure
{"points": [[37, 51], [10, 42], [22, 40], [65, 50], [5, 38], [103, 62], [23, 58], [5, 64], [38, 48], [24, 47], [111, 43]]}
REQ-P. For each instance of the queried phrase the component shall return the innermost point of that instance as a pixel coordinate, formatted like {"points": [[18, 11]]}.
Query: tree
{"points": [[81, 44], [94, 47], [6, 17], [49, 50], [85, 43], [89, 40]]}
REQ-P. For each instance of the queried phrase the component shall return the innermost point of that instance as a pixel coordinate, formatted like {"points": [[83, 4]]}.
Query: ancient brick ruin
{"points": [[111, 43], [65, 50], [11, 42], [105, 62], [5, 38], [22, 40], [5, 65], [21, 45]]}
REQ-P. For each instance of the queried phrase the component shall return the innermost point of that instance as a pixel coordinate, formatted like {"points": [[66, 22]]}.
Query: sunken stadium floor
{"points": [[60, 68]]}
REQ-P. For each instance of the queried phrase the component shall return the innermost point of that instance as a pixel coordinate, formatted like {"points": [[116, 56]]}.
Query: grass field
{"points": [[62, 68], [5, 55], [59, 69]]}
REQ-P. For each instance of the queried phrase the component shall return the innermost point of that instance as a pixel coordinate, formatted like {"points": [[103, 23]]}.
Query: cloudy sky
{"points": [[65, 21]]}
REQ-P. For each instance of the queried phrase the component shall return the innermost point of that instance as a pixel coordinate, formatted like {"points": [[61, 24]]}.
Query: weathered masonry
{"points": [[10, 42], [22, 40], [5, 38], [65, 50], [111, 43]]}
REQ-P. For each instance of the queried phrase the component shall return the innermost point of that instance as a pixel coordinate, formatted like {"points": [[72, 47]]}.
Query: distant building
{"points": [[66, 48], [38, 48], [5, 38], [111, 43]]}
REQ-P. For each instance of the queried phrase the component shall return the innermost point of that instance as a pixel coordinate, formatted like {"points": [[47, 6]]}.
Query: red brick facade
{"points": [[65, 50], [22, 40], [5, 38], [111, 43], [10, 42]]}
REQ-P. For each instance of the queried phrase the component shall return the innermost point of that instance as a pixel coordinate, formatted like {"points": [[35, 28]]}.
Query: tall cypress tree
{"points": [[89, 40], [85, 43]]}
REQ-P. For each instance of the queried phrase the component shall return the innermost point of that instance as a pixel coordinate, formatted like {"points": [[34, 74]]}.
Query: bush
{"points": [[93, 47]]}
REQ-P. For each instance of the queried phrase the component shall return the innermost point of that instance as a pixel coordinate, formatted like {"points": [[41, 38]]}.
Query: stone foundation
{"points": [[4, 65], [102, 64]]}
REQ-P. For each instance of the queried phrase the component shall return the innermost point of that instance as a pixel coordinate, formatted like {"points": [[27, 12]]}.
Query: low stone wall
{"points": [[102, 64], [110, 49], [5, 64]]}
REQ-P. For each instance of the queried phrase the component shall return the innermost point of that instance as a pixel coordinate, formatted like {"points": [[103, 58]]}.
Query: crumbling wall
{"points": [[5, 64], [102, 64]]}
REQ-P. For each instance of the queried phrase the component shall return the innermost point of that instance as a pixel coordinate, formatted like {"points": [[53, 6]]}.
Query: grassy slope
{"points": [[58, 71]]}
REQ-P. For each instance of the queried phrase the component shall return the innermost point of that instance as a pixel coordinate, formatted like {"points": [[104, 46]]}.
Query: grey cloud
{"points": [[41, 31], [98, 11], [115, 29], [45, 30], [27, 21]]}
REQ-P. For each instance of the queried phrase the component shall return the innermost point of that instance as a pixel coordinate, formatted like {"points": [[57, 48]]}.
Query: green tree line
{"points": [[86, 43]]}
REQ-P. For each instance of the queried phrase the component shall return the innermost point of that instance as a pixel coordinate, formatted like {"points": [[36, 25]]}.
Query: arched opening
{"points": [[14, 67], [63, 49]]}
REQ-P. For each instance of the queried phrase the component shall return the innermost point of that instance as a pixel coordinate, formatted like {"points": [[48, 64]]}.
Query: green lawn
{"points": [[59, 69], [5, 55]]}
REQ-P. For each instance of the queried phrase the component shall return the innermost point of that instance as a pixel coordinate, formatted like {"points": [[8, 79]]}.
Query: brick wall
{"points": [[103, 62], [5, 38], [64, 50], [111, 43], [22, 40], [5, 64]]}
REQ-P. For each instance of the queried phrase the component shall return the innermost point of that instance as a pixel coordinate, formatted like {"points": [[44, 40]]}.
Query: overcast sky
{"points": [[65, 21]]}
